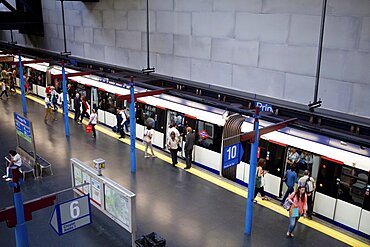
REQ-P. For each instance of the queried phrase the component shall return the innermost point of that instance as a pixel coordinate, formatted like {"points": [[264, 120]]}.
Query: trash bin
{"points": [[151, 240]]}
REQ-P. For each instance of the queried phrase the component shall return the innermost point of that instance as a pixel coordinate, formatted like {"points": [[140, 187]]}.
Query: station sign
{"points": [[71, 215], [264, 107], [23, 127], [232, 155]]}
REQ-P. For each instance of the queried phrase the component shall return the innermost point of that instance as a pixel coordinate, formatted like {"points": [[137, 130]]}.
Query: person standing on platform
{"points": [[260, 182], [3, 89], [298, 199], [15, 163], [85, 108], [127, 119], [77, 105], [290, 180], [309, 183], [122, 123], [172, 145], [189, 143], [93, 121], [148, 138], [173, 129]]}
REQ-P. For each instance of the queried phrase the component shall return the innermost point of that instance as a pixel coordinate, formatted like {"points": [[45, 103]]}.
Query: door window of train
{"points": [[301, 160], [275, 159], [39, 78], [353, 185], [189, 122], [151, 115], [107, 101], [328, 173], [178, 118], [209, 136]]}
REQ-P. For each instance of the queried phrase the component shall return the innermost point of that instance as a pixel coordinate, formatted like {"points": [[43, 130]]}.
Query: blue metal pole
{"points": [[21, 235], [65, 102], [132, 128], [22, 86], [252, 177]]}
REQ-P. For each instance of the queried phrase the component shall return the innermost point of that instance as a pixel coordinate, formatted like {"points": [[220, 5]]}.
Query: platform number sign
{"points": [[71, 215], [232, 155]]}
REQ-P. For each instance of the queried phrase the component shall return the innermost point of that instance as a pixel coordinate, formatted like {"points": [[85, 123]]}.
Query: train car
{"points": [[341, 170]]}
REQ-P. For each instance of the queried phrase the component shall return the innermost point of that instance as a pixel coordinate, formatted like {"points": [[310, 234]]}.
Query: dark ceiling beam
{"points": [[16, 20], [8, 5]]}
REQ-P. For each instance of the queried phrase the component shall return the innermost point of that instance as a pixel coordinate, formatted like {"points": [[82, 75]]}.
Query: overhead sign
{"points": [[232, 155], [264, 107], [71, 215], [6, 59], [23, 127]]}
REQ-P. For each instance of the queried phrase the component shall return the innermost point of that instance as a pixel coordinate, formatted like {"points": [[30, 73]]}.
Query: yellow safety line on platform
{"points": [[218, 181]]}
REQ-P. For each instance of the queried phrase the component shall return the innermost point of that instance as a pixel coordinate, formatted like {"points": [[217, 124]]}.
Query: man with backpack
{"points": [[309, 183]]}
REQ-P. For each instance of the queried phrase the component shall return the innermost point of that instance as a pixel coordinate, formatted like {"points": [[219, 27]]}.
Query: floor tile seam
{"points": [[314, 225]]}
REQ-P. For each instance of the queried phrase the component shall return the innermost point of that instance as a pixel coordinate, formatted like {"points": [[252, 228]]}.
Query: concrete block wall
{"points": [[266, 47]]}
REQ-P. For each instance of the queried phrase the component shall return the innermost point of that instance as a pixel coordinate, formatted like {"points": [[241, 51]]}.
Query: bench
{"points": [[26, 168], [44, 164]]}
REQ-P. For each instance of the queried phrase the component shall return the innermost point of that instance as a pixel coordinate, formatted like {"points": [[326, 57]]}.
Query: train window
{"points": [[140, 113], [189, 122], [150, 115], [353, 185], [366, 205], [208, 136], [107, 101], [39, 78], [247, 152], [328, 173]]}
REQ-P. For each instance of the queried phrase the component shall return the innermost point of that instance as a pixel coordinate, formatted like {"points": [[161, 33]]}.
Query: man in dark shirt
{"points": [[77, 105], [190, 139]]}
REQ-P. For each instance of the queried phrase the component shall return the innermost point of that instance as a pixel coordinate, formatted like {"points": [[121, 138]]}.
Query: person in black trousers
{"points": [[77, 105], [172, 145], [190, 140]]}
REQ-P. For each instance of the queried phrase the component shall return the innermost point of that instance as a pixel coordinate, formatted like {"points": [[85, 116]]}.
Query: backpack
{"points": [[307, 187]]}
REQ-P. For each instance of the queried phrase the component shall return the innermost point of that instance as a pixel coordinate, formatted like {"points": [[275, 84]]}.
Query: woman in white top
{"points": [[172, 145], [148, 136], [48, 109], [93, 121]]}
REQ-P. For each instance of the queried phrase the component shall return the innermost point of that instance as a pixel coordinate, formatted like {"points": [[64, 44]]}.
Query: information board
{"points": [[23, 127], [232, 155], [112, 199]]}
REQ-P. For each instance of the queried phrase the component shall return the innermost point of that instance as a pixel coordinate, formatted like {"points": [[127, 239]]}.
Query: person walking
{"points": [[85, 108], [48, 109], [298, 200], [148, 137], [310, 187], [77, 105], [290, 180], [93, 121], [3, 89], [172, 145], [15, 163], [189, 143], [259, 185], [127, 118]]}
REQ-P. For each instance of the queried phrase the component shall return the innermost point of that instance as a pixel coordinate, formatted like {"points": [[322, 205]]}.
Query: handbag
{"points": [[88, 128], [179, 149], [287, 204], [258, 182]]}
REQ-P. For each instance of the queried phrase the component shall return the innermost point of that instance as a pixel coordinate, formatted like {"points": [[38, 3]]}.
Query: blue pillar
{"points": [[21, 235], [22, 86], [252, 177], [65, 102], [132, 128]]}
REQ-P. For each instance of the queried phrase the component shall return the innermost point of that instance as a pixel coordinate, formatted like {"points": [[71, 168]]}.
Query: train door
{"points": [[179, 119], [301, 160], [189, 121], [94, 98], [351, 195], [365, 212], [327, 185]]}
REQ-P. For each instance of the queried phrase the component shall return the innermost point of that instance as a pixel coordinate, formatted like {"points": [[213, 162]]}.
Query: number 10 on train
{"points": [[232, 155]]}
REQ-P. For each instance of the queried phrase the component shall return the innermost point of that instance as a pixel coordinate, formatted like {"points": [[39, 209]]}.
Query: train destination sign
{"points": [[71, 215], [232, 155], [23, 127]]}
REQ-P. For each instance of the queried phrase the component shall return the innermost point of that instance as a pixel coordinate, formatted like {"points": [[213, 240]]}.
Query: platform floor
{"points": [[183, 208]]}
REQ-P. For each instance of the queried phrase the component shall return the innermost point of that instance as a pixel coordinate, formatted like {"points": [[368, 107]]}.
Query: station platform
{"points": [[189, 208]]}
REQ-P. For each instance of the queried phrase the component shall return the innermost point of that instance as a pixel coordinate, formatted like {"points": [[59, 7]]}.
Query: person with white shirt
{"points": [[93, 121], [173, 129], [172, 145], [148, 137], [48, 109], [15, 163], [122, 124], [3, 89]]}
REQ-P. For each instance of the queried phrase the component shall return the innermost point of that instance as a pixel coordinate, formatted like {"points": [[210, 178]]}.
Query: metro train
{"points": [[341, 170]]}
